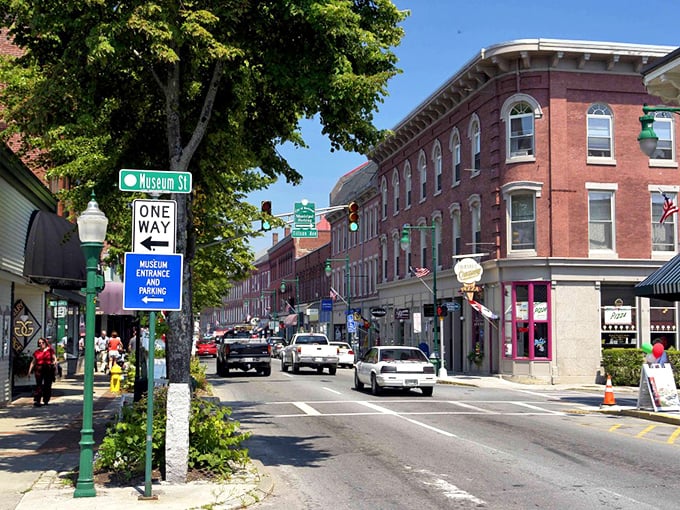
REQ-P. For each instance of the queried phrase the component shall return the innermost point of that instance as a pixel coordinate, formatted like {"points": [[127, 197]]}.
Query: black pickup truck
{"points": [[239, 351]]}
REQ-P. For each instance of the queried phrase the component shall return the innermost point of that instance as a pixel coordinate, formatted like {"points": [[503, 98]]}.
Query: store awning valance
{"points": [[290, 320], [111, 300], [664, 283], [53, 255]]}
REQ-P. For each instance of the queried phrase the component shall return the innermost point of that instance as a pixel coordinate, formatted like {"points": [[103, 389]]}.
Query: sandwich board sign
{"points": [[657, 388]]}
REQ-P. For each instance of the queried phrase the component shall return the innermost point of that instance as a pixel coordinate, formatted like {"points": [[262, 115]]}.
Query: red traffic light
{"points": [[442, 311], [266, 207]]}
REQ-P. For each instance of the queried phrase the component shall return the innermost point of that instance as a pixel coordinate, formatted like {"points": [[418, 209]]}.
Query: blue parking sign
{"points": [[153, 281]]}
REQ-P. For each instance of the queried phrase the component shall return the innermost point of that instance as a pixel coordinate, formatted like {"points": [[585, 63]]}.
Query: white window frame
{"points": [[437, 163], [523, 188], [408, 185], [383, 198], [456, 233], [475, 136], [395, 192], [606, 189], [422, 171], [475, 207], [454, 146], [670, 224], [664, 122], [599, 112]]}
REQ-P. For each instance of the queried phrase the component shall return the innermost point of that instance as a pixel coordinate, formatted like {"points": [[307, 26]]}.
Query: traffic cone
{"points": [[609, 399]]}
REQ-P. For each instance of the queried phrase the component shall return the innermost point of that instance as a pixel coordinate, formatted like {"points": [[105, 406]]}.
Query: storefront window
{"points": [[618, 317], [663, 322], [527, 321]]}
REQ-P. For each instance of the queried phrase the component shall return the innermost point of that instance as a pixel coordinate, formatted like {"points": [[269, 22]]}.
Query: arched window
{"points": [[520, 200], [437, 162], [664, 127], [600, 132], [395, 191], [456, 235], [519, 113], [422, 167], [408, 183], [475, 205], [383, 197], [454, 145], [475, 135]]}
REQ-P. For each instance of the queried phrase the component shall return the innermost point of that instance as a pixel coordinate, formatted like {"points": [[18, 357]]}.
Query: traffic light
{"points": [[442, 311], [266, 209], [353, 216]]}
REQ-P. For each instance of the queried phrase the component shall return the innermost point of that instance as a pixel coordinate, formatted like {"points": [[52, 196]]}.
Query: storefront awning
{"points": [[290, 320], [664, 283], [111, 300], [53, 255]]}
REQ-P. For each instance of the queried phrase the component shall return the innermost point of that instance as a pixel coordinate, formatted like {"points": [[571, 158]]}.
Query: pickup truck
{"points": [[310, 350], [244, 353]]}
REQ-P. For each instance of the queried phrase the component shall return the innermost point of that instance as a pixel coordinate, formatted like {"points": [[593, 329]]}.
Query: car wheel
{"points": [[375, 387], [220, 368], [284, 367], [358, 385], [296, 368], [319, 370], [427, 391], [332, 370], [267, 371]]}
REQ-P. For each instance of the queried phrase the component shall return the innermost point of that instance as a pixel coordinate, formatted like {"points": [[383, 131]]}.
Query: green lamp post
{"points": [[647, 137], [329, 270], [297, 300], [92, 225], [405, 243]]}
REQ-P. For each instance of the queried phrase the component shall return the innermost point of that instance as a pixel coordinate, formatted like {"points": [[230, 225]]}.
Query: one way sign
{"points": [[153, 226]]}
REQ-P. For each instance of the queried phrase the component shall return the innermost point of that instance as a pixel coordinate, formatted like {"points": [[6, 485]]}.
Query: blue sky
{"points": [[440, 37]]}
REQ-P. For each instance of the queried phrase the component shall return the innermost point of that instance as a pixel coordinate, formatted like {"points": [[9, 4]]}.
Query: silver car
{"points": [[395, 366]]}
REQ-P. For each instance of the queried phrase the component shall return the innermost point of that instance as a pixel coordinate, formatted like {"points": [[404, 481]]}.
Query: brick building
{"points": [[527, 158]]}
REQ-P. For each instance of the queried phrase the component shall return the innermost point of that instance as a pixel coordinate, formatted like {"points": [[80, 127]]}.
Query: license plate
{"points": [[318, 360], [247, 360], [411, 382]]}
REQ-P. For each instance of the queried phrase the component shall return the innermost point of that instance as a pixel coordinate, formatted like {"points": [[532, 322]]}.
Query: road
{"points": [[326, 444]]}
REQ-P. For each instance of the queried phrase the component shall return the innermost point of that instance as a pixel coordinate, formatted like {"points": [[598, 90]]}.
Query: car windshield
{"points": [[402, 355], [341, 345], [207, 341], [310, 340]]}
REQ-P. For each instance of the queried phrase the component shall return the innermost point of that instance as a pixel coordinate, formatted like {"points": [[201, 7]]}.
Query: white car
{"points": [[345, 354], [395, 366]]}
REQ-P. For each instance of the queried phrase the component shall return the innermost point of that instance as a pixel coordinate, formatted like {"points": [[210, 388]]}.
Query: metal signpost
{"points": [[153, 272]]}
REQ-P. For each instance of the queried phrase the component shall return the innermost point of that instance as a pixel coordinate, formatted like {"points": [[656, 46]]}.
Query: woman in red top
{"points": [[44, 359]]}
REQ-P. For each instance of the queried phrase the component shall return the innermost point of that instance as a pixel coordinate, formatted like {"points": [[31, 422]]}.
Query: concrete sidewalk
{"points": [[39, 450]]}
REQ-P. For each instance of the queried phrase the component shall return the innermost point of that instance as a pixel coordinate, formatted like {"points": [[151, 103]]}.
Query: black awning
{"points": [[53, 255], [664, 283]]}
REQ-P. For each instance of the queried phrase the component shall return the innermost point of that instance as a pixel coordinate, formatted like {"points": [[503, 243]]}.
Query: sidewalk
{"points": [[39, 449]]}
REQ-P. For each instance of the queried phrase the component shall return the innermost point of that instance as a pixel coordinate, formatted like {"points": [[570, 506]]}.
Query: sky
{"points": [[440, 37]]}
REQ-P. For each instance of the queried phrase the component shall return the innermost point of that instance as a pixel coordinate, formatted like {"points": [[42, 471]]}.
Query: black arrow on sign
{"points": [[149, 244]]}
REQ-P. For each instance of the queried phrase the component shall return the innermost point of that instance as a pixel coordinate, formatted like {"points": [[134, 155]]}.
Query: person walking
{"points": [[43, 362], [115, 348], [101, 346]]}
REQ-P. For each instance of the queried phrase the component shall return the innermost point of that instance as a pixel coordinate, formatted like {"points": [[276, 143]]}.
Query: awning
{"points": [[53, 255], [664, 283], [111, 300], [290, 320]]}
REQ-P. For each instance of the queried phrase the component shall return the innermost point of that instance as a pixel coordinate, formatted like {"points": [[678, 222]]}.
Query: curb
{"points": [[265, 487]]}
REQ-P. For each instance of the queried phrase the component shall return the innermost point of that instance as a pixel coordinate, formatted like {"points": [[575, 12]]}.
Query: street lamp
{"points": [[274, 311], [92, 225], [297, 293], [405, 243], [647, 137], [329, 270]]}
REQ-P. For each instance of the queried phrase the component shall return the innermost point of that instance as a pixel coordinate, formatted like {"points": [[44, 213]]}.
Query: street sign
{"points": [[152, 282], [378, 312], [154, 181], [452, 306], [304, 223], [154, 226], [351, 325]]}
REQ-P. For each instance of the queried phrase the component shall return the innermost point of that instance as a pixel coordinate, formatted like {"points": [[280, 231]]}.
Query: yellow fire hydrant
{"points": [[116, 376]]}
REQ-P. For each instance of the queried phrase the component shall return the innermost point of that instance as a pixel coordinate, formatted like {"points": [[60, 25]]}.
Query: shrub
{"points": [[214, 439], [625, 365]]}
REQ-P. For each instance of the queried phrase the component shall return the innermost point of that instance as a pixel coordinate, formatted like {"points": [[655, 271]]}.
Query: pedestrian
{"points": [[43, 363], [132, 344], [81, 345], [101, 345], [115, 347]]}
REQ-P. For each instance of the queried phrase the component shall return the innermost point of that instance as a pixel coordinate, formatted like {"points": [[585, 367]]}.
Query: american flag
{"points": [[334, 294], [420, 272], [668, 208]]}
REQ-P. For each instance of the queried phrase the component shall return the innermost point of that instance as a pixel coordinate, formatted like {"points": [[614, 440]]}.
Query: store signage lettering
{"points": [[618, 315]]}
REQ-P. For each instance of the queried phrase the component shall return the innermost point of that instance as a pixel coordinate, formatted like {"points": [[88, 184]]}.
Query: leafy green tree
{"points": [[206, 86]]}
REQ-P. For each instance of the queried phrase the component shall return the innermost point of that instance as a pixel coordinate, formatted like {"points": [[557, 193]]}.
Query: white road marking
{"points": [[448, 489], [306, 408], [468, 406], [332, 390], [536, 408]]}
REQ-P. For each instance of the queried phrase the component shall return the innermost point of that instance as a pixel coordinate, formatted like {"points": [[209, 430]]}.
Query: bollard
{"points": [[116, 376]]}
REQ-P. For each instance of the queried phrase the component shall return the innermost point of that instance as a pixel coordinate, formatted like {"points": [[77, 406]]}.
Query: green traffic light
{"points": [[266, 225], [353, 227]]}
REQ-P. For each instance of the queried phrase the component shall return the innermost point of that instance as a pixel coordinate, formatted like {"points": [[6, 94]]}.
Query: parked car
{"points": [[345, 354], [395, 366], [206, 347], [277, 343]]}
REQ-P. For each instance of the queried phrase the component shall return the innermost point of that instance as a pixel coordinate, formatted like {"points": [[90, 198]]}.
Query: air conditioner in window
{"points": [[524, 152]]}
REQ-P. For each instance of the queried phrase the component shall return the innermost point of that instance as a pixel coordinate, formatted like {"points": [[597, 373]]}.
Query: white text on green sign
{"points": [[305, 214], [154, 181], [309, 232]]}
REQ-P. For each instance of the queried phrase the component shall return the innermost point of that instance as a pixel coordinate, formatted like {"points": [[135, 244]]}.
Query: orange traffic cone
{"points": [[609, 399]]}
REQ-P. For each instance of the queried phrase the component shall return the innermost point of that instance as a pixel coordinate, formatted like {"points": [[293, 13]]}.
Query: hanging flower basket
{"points": [[476, 355]]}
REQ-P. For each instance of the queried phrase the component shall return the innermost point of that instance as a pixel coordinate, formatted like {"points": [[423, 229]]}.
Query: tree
{"points": [[206, 86]]}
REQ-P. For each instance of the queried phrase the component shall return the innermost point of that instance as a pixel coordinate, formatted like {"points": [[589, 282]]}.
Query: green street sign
{"points": [[305, 233], [305, 215], [154, 181]]}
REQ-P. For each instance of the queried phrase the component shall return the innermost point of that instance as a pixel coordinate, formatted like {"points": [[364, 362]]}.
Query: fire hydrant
{"points": [[116, 376]]}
